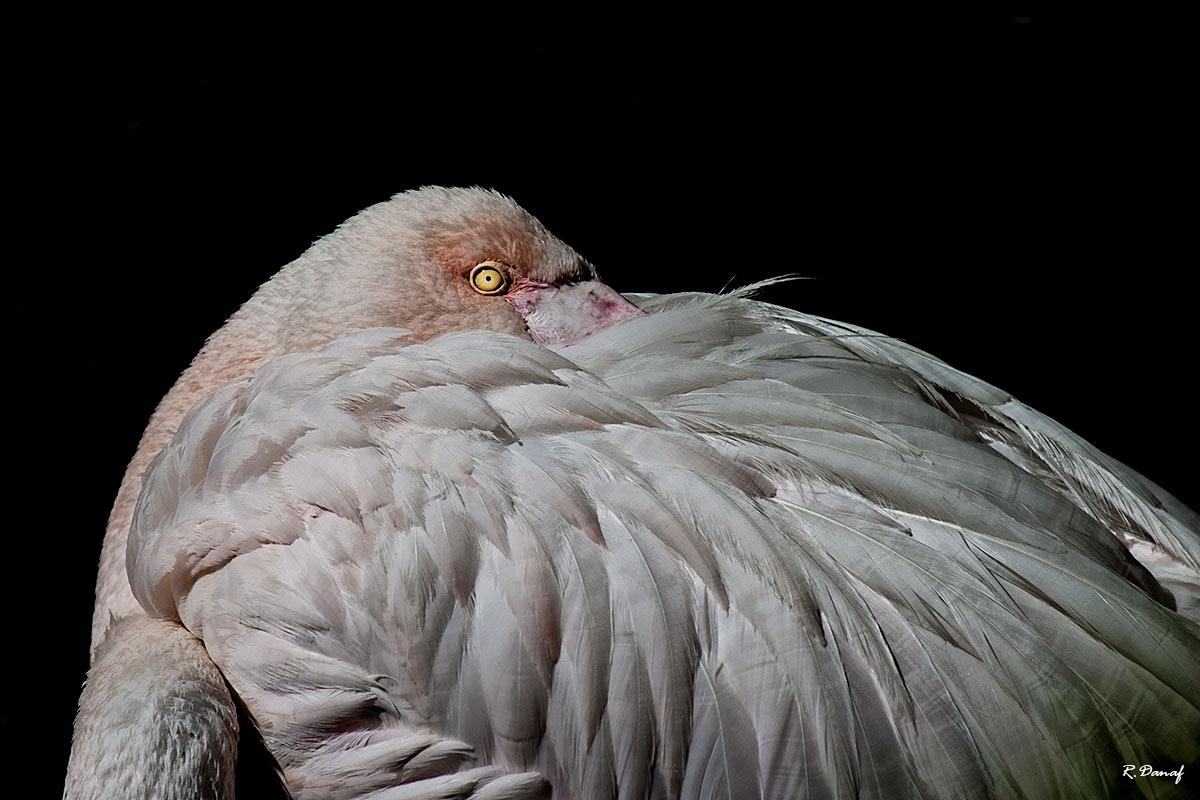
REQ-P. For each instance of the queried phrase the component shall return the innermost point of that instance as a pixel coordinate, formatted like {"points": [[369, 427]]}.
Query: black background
{"points": [[998, 190]]}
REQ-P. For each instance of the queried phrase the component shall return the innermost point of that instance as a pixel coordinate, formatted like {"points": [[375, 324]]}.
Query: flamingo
{"points": [[438, 514]]}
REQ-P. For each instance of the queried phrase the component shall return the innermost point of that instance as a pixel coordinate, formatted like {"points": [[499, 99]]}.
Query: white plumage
{"points": [[721, 549]]}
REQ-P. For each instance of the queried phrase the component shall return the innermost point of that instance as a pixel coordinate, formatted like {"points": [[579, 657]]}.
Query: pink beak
{"points": [[559, 315]]}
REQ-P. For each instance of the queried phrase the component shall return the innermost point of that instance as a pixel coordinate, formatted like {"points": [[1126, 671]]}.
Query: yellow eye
{"points": [[489, 277]]}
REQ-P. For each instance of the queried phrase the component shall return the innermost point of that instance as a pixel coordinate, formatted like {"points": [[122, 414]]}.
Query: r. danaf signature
{"points": [[1146, 771]]}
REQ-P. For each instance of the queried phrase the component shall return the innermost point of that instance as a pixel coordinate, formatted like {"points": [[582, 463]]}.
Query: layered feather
{"points": [[722, 550]]}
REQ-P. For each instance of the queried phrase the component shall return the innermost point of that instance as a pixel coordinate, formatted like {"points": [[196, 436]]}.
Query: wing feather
{"points": [[722, 549]]}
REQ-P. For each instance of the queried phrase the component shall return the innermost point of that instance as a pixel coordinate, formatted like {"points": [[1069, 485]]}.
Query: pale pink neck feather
{"points": [[247, 341]]}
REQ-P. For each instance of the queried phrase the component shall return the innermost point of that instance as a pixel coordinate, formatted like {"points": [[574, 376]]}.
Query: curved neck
{"points": [[248, 339]]}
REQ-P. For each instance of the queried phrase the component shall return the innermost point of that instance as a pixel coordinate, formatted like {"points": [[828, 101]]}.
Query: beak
{"points": [[559, 315]]}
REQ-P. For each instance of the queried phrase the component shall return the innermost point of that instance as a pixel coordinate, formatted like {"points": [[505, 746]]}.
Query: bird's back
{"points": [[720, 550]]}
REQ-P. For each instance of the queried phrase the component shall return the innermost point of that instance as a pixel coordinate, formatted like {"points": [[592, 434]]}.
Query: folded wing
{"points": [[721, 550]]}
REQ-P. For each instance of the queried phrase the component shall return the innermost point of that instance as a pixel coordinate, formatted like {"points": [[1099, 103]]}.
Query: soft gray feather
{"points": [[720, 550]]}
